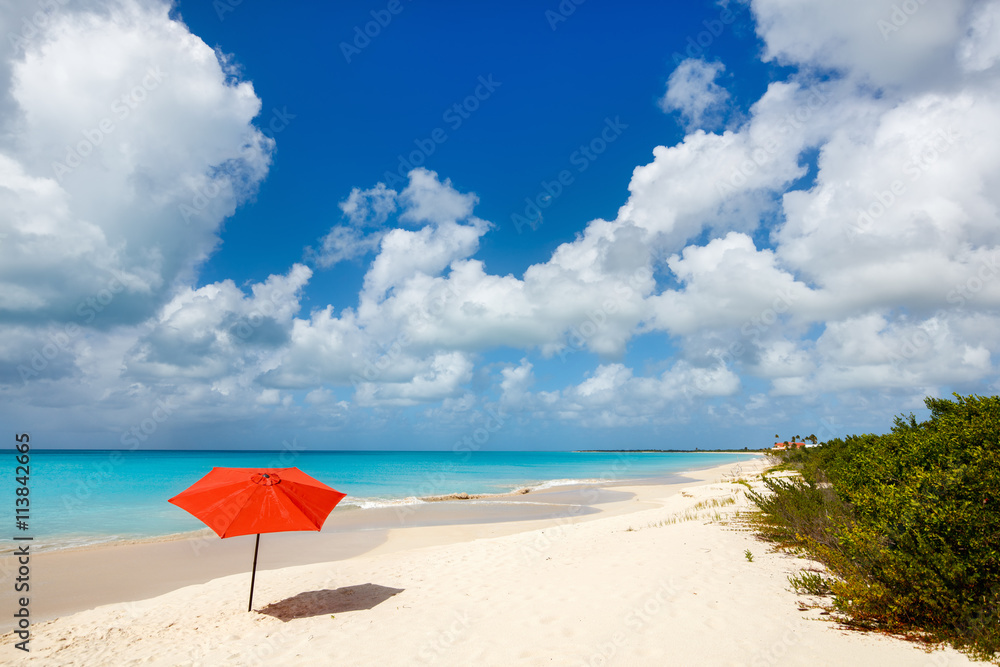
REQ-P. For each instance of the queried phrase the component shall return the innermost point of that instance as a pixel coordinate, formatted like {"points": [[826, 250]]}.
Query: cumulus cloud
{"points": [[901, 208], [727, 283], [692, 91], [582, 299], [515, 383], [755, 288], [425, 200], [405, 254], [343, 243], [430, 200], [733, 180], [369, 208], [980, 49], [212, 332], [902, 214], [366, 212], [153, 130], [436, 378], [884, 42], [614, 396]]}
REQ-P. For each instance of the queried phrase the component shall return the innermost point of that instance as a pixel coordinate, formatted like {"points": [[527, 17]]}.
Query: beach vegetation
{"points": [[748, 555], [796, 511], [907, 523], [810, 583], [715, 502], [696, 513]]}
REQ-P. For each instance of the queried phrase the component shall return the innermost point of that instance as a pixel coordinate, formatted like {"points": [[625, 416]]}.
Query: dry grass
{"points": [[697, 512]]}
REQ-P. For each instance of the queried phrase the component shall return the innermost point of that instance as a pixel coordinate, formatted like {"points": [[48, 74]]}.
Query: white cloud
{"points": [[428, 251], [874, 40], [692, 91], [429, 200], [269, 397], [880, 275], [516, 382], [730, 181], [567, 304], [144, 126], [728, 283], [902, 210], [438, 377], [217, 330], [614, 396], [363, 209], [980, 49], [369, 208], [326, 349], [344, 243]]}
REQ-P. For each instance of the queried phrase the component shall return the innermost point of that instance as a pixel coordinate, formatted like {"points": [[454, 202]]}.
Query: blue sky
{"points": [[520, 225], [353, 120]]}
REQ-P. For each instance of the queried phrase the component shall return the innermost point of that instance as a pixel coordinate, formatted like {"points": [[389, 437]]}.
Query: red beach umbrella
{"points": [[244, 501]]}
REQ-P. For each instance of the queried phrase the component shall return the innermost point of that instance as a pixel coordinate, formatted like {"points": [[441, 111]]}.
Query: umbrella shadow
{"points": [[339, 600]]}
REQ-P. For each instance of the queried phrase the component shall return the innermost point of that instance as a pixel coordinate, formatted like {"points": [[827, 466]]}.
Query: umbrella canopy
{"points": [[245, 501]]}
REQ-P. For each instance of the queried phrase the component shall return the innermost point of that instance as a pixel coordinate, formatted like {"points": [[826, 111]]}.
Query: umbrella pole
{"points": [[253, 574]]}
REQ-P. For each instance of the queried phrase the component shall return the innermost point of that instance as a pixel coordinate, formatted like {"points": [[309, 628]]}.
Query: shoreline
{"points": [[659, 578], [196, 558], [75, 543]]}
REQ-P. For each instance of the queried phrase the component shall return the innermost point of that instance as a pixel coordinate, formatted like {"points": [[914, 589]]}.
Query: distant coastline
{"points": [[671, 451]]}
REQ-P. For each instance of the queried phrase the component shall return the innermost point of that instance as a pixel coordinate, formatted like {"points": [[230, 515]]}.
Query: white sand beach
{"points": [[658, 579]]}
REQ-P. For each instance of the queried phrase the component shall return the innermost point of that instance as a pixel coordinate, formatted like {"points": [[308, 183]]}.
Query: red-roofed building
{"points": [[789, 445]]}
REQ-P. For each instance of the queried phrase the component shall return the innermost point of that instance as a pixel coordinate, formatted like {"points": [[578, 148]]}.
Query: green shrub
{"points": [[810, 583], [910, 525], [797, 512]]}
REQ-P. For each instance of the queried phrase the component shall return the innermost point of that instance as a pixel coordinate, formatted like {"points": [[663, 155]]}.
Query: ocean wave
{"points": [[568, 482], [514, 502], [374, 503], [45, 544], [379, 502]]}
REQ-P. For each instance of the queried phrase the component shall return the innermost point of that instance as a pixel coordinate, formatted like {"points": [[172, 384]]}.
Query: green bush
{"points": [[911, 525], [798, 511], [810, 583]]}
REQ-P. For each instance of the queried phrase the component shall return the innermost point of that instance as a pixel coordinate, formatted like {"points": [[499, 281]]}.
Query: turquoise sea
{"points": [[87, 497]]}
